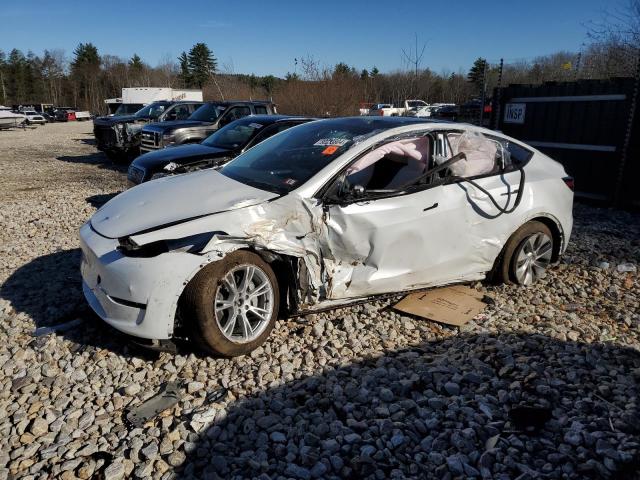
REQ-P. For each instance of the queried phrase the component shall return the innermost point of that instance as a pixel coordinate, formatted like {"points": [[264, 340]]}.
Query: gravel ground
{"points": [[543, 384]]}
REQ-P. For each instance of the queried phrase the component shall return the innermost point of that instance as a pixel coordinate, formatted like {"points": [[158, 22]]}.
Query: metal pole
{"points": [[484, 92], [496, 102], [627, 137]]}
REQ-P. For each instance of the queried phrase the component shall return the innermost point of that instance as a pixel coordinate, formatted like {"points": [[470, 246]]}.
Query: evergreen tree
{"points": [[364, 74], [268, 83], [3, 70], [185, 74], [85, 68], [202, 64], [136, 70], [375, 71], [16, 66], [477, 71], [343, 70]]}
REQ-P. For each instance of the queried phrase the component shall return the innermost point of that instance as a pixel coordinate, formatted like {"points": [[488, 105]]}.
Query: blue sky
{"points": [[264, 37]]}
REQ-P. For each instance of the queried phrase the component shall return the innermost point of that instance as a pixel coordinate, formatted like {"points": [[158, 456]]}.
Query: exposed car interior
{"points": [[394, 165]]}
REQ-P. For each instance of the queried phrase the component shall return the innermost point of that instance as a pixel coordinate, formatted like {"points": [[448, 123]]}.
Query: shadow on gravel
{"points": [[98, 158], [99, 200], [445, 409], [49, 290], [86, 141]]}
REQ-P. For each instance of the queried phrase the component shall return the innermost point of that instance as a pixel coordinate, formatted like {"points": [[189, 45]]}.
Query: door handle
{"points": [[431, 207]]}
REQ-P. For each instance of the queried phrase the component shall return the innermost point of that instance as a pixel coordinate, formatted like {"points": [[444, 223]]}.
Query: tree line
{"points": [[89, 77]]}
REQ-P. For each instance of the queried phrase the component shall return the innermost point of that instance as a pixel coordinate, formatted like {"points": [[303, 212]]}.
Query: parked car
{"points": [[61, 114], [119, 136], [398, 110], [219, 148], [448, 112], [82, 115], [33, 117], [378, 109], [204, 121], [324, 214]]}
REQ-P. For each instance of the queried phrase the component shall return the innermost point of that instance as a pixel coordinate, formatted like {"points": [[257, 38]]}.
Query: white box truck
{"points": [[134, 98]]}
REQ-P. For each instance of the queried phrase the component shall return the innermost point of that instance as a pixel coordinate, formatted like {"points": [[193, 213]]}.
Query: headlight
{"points": [[135, 174], [168, 138], [190, 244]]}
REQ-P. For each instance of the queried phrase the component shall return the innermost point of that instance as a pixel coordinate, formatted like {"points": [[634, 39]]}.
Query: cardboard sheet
{"points": [[454, 305]]}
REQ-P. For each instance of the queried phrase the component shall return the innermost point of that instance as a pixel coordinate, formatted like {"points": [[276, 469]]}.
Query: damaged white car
{"points": [[324, 214]]}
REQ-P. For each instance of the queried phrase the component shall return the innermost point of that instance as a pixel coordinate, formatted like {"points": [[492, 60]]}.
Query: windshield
{"points": [[416, 104], [284, 162], [128, 108], [235, 135], [207, 112], [153, 110]]}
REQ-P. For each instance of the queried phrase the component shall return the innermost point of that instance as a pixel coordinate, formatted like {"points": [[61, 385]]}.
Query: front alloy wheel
{"points": [[231, 305], [244, 300]]}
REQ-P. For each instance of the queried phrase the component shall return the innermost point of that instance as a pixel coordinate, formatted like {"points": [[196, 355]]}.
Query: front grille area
{"points": [[149, 141], [105, 136]]}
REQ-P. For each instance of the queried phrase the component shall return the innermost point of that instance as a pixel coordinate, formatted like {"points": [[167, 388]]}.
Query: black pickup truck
{"points": [[219, 148], [119, 136], [204, 121]]}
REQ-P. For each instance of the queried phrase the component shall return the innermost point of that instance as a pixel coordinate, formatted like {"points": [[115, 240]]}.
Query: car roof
{"points": [[242, 102], [385, 123], [268, 119]]}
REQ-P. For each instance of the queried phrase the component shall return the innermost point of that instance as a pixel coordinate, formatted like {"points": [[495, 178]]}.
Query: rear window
{"points": [[519, 155], [261, 110]]}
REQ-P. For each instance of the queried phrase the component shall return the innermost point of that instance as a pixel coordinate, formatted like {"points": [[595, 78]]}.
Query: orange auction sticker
{"points": [[330, 150]]}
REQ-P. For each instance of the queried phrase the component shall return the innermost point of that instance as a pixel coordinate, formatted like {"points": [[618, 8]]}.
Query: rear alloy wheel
{"points": [[527, 254], [232, 305], [533, 258]]}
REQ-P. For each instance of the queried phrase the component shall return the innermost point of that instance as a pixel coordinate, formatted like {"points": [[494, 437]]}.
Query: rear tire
{"points": [[526, 255], [232, 305]]}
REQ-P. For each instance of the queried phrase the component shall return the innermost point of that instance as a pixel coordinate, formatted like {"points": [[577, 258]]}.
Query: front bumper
{"points": [[138, 296]]}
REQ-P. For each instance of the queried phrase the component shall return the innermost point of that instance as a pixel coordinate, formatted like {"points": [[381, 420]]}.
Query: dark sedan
{"points": [[225, 144]]}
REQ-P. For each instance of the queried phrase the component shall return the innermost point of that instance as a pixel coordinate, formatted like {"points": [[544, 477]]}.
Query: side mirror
{"points": [[357, 191]]}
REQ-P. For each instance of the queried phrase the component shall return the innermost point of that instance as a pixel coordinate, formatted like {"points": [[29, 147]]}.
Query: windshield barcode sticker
{"points": [[255, 125], [325, 142]]}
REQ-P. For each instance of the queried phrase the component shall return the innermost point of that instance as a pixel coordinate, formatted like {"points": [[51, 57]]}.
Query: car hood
{"points": [[174, 124], [180, 155], [174, 199], [118, 119]]}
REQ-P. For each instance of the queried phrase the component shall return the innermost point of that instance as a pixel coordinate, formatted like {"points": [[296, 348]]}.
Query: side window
{"points": [[179, 112], [260, 110], [518, 156], [193, 107], [483, 155], [234, 113], [270, 131], [392, 166], [182, 112]]}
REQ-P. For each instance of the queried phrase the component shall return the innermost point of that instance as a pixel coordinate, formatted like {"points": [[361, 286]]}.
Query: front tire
{"points": [[232, 305], [527, 255]]}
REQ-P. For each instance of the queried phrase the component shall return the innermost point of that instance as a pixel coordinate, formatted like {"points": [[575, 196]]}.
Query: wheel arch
{"points": [[285, 268], [556, 231]]}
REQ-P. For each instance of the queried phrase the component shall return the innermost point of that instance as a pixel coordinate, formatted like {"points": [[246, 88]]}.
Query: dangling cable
{"points": [[504, 209]]}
